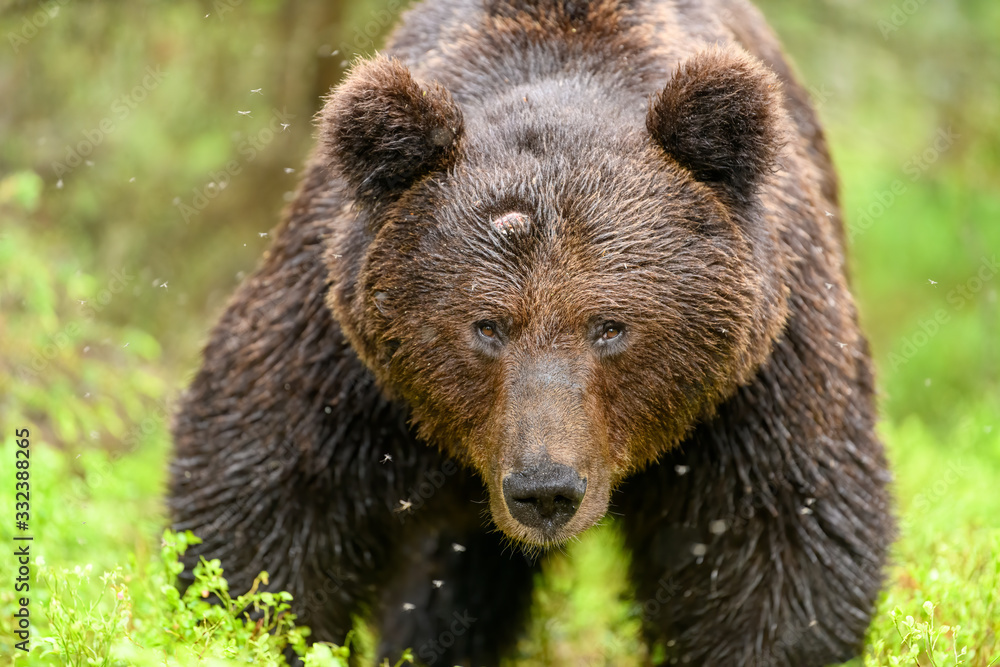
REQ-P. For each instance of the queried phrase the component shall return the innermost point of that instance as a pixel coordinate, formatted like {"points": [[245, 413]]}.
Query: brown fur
{"points": [[665, 183]]}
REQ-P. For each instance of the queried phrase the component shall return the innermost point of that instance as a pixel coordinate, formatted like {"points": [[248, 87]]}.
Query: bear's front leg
{"points": [[761, 541], [288, 457], [312, 500]]}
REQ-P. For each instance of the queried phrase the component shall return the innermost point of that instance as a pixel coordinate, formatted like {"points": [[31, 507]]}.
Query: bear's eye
{"points": [[489, 338], [610, 331], [488, 330]]}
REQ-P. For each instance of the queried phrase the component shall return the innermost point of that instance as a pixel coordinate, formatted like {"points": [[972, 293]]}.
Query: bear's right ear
{"points": [[383, 131]]}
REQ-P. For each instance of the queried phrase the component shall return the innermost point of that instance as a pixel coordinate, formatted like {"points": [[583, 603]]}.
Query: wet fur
{"points": [[751, 487]]}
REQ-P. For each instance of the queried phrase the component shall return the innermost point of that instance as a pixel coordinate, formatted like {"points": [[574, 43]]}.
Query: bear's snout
{"points": [[548, 473], [544, 498]]}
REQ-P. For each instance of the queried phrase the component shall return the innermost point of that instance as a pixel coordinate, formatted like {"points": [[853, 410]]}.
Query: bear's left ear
{"points": [[720, 117], [383, 131]]}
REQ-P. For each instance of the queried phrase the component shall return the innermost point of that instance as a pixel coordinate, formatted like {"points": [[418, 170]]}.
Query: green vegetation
{"points": [[134, 195]]}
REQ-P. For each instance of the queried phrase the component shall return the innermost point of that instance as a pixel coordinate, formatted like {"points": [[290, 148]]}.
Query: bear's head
{"points": [[558, 291]]}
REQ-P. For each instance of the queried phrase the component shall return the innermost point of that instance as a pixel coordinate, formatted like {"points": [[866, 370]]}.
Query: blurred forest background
{"points": [[146, 152]]}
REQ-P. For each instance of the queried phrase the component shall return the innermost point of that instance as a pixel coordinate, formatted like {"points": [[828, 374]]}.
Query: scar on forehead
{"points": [[511, 223]]}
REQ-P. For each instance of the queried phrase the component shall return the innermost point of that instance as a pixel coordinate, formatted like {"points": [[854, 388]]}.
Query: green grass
{"points": [[95, 345]]}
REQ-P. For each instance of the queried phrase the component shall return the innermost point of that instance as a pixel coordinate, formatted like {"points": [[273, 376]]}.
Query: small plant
{"points": [[204, 625], [255, 624], [84, 632], [921, 642]]}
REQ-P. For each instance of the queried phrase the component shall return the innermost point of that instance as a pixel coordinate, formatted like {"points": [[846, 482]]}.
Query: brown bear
{"points": [[552, 260]]}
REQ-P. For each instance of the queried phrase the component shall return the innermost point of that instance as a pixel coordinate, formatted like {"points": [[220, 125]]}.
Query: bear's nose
{"points": [[545, 497]]}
